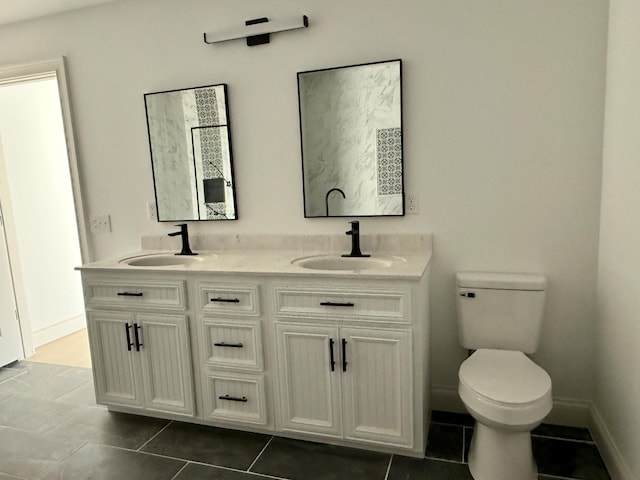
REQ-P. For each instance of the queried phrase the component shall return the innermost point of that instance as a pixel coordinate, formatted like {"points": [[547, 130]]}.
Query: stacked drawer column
{"points": [[231, 341]]}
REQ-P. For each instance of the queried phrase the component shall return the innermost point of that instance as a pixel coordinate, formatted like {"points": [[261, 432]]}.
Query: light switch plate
{"points": [[100, 223], [413, 205]]}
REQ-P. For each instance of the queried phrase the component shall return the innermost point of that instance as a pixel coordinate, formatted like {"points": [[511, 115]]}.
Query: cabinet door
{"points": [[309, 386], [377, 385], [116, 370], [166, 362]]}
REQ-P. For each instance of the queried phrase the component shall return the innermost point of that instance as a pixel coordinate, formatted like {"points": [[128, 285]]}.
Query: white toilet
{"points": [[500, 317]]}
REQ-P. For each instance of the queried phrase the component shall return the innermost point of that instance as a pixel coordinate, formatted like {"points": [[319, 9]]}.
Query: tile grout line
{"points": [[255, 474], [74, 389], [463, 443], [563, 439], [555, 437], [154, 436], [20, 477], [386, 475], [187, 461], [463, 425], [556, 477], [62, 460], [456, 462], [180, 471], [261, 451]]}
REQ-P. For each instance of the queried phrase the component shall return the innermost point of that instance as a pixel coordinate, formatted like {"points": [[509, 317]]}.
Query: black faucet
{"points": [[355, 241], [186, 250]]}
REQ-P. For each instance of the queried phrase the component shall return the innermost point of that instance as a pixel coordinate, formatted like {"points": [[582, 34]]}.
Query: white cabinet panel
{"points": [[237, 398], [142, 360], [223, 299], [377, 385], [366, 395], [308, 380], [233, 344], [116, 371], [339, 304], [135, 294], [166, 363]]}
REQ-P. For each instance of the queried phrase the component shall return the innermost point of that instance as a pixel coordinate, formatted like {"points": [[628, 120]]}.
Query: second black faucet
{"points": [[355, 241]]}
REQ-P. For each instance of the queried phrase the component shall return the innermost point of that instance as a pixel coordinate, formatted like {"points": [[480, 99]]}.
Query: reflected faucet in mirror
{"points": [[355, 241], [184, 234], [326, 198]]}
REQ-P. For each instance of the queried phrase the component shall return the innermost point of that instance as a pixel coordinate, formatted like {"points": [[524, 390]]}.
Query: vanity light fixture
{"points": [[257, 31]]}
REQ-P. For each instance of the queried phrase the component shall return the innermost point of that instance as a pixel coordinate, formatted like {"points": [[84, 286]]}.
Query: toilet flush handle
{"points": [[464, 293]]}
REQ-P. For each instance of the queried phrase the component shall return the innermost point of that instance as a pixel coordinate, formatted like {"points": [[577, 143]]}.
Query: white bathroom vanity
{"points": [[278, 335]]}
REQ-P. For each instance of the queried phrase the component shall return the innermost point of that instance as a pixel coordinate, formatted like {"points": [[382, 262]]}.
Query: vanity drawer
{"points": [[236, 398], [233, 344], [345, 304], [144, 294], [217, 299]]}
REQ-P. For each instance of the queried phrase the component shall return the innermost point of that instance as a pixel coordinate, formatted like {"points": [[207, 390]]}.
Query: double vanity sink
{"points": [[330, 262], [278, 335]]}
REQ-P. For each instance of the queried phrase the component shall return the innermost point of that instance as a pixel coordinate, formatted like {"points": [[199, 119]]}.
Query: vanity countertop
{"points": [[404, 261]]}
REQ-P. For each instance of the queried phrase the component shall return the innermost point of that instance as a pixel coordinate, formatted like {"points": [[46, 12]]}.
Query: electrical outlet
{"points": [[100, 223], [413, 205], [152, 211]]}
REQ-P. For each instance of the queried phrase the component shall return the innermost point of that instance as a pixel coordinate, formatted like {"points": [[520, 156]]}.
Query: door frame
{"points": [[19, 73]]}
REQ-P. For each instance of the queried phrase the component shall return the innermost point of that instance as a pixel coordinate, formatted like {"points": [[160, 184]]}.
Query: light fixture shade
{"points": [[255, 29]]}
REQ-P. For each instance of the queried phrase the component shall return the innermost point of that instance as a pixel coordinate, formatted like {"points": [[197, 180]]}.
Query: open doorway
{"points": [[40, 199]]}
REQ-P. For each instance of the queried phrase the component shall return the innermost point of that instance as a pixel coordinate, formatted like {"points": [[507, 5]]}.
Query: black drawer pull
{"points": [[232, 345], [332, 359], [233, 399], [129, 342], [136, 329], [337, 304], [344, 355], [130, 294], [227, 300]]}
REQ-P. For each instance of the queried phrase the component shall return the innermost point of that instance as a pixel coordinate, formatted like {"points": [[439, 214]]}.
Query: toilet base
{"points": [[501, 455]]}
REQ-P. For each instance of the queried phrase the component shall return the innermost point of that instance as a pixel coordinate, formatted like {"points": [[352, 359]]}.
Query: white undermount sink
{"points": [[161, 260], [338, 262]]}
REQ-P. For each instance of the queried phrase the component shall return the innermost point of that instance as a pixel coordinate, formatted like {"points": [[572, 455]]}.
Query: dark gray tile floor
{"points": [[51, 429]]}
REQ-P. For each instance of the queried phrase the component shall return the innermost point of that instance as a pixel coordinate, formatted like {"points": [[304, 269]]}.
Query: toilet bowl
{"points": [[508, 395]]}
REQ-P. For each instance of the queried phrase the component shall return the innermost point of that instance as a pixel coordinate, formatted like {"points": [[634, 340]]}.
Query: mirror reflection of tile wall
{"points": [[350, 120], [191, 154]]}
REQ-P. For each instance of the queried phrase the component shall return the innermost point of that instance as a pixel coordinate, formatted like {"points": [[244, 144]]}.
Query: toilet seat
{"points": [[505, 388]]}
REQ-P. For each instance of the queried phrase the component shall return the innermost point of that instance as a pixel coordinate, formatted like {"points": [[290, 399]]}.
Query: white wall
{"points": [[37, 171], [617, 397], [503, 112]]}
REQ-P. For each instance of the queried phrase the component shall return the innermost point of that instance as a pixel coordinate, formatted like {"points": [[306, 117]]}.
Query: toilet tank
{"points": [[500, 310]]}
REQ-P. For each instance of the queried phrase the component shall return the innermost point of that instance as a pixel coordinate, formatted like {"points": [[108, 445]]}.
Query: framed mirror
{"points": [[190, 145], [351, 139]]}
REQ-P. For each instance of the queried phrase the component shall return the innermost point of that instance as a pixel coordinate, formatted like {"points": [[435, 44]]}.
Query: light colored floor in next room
{"points": [[72, 350]]}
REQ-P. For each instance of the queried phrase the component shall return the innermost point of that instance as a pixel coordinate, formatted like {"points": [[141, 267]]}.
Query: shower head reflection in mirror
{"points": [[190, 144]]}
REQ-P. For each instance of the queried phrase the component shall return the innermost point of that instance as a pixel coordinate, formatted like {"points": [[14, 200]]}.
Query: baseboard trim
{"points": [[617, 467], [568, 412], [446, 399], [58, 330]]}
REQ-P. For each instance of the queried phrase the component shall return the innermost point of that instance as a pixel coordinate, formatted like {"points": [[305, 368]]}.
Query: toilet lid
{"points": [[505, 376]]}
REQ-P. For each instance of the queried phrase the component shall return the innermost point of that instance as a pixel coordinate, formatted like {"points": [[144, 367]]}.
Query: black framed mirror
{"points": [[351, 140], [191, 159]]}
